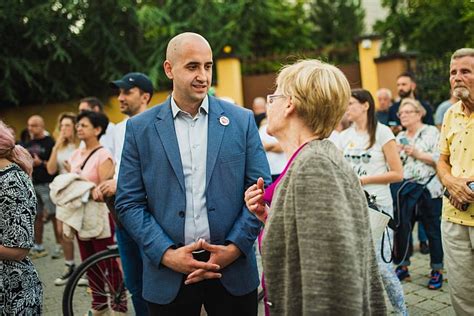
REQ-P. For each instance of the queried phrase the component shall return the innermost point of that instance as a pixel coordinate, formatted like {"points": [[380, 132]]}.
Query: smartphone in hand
{"points": [[404, 141], [465, 205]]}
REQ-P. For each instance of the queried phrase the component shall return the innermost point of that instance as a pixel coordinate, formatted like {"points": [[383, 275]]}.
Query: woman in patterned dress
{"points": [[418, 147], [21, 292]]}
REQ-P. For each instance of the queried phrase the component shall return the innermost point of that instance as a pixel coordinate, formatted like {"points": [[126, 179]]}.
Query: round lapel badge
{"points": [[224, 120]]}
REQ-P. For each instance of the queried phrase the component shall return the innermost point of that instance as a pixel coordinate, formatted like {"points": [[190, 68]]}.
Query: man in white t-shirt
{"points": [[95, 105], [275, 156], [136, 90]]}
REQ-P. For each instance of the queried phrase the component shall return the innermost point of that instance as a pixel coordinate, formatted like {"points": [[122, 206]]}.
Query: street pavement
{"points": [[419, 299]]}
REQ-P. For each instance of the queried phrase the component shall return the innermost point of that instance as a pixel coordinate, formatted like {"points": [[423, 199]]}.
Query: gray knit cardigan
{"points": [[318, 255]]}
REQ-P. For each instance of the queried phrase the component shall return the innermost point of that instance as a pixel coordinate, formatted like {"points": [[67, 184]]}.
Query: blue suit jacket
{"points": [[151, 200]]}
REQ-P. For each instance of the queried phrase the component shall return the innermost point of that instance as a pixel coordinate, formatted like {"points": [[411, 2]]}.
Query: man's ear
{"points": [[146, 97], [167, 67]]}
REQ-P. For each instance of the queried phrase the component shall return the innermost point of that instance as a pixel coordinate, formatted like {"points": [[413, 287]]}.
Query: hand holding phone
{"points": [[464, 206], [404, 141]]}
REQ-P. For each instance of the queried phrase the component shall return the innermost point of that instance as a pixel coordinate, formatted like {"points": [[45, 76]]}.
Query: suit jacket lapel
{"points": [[215, 134], [165, 128]]}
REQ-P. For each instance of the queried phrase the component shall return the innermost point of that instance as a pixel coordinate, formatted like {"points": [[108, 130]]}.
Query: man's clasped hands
{"points": [[182, 260]]}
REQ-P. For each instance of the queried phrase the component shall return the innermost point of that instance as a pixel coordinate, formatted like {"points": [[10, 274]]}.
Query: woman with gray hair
{"points": [[317, 245], [418, 148]]}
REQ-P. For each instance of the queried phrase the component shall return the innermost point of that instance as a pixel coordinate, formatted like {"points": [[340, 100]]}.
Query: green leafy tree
{"points": [[58, 50], [55, 50], [336, 25], [431, 28]]}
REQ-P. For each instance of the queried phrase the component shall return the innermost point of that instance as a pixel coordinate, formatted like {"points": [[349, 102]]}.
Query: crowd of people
{"points": [[187, 187]]}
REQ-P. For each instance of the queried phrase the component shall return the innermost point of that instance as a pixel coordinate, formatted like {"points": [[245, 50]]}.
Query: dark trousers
{"points": [[210, 293], [430, 215]]}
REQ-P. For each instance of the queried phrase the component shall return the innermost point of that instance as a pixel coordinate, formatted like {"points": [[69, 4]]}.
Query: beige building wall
{"points": [[388, 72]]}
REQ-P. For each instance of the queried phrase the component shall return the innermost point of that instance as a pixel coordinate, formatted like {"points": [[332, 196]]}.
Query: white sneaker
{"points": [[83, 281], [68, 270], [57, 253]]}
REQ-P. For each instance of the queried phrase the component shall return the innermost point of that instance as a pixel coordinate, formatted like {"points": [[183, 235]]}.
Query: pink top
{"points": [[268, 195], [91, 169]]}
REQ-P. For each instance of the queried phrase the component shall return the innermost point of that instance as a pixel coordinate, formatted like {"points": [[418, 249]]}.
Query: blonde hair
{"points": [[415, 104], [71, 116], [320, 93]]}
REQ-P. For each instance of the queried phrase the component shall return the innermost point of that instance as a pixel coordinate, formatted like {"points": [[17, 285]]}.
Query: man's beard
{"points": [[461, 93], [404, 94]]}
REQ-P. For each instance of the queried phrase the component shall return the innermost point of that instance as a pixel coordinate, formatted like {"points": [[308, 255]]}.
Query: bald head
{"points": [[36, 126], [36, 119], [189, 64], [176, 44], [259, 105]]}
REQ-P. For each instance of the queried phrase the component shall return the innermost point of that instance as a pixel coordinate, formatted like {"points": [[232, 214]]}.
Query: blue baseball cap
{"points": [[134, 79]]}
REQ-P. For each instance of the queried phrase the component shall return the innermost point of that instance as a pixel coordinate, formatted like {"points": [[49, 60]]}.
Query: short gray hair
{"points": [[463, 52], [386, 91]]}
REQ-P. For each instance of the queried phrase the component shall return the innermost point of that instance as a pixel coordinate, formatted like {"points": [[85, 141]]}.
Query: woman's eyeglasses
{"points": [[406, 112], [272, 97], [81, 125]]}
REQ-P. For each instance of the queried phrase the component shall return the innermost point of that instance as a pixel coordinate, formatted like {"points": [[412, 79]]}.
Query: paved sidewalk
{"points": [[420, 300]]}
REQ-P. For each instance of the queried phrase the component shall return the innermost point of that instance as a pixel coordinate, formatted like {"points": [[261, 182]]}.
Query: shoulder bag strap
{"points": [[90, 155]]}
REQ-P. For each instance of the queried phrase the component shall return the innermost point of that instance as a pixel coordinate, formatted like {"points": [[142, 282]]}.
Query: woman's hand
{"points": [[67, 166], [411, 151], [254, 200], [97, 194], [60, 141]]}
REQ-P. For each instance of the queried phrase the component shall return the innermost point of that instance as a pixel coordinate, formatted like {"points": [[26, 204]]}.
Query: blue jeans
{"points": [[422, 232], [132, 265], [430, 216]]}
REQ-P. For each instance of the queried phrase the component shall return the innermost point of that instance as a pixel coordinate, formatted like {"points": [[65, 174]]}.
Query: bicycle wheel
{"points": [[106, 285]]}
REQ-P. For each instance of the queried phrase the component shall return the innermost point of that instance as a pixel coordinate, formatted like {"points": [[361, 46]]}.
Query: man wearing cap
{"points": [[135, 92], [185, 166]]}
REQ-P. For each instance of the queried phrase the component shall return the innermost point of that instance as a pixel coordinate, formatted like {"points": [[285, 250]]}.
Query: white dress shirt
{"points": [[119, 138], [191, 133]]}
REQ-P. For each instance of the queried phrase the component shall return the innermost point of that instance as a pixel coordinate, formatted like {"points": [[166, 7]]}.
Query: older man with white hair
{"points": [[384, 96], [456, 171]]}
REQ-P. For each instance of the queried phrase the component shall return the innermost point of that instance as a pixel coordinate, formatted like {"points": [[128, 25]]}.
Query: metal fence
{"points": [[432, 77]]}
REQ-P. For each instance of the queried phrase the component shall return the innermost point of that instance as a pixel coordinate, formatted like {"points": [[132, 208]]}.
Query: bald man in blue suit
{"points": [[185, 166]]}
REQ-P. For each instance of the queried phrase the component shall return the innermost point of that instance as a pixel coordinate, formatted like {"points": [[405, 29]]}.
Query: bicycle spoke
{"points": [[106, 286]]}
